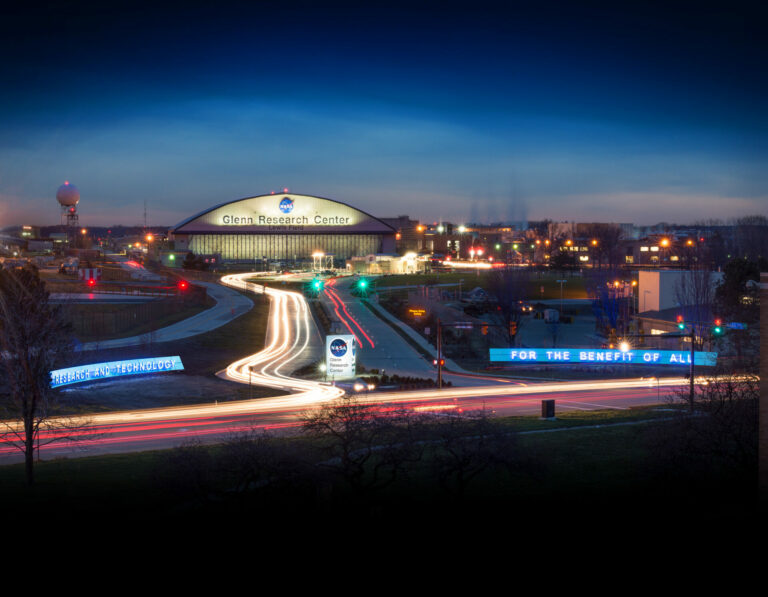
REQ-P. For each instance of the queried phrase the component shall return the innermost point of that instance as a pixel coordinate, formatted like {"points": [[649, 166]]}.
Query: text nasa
{"points": [[87, 372], [599, 356]]}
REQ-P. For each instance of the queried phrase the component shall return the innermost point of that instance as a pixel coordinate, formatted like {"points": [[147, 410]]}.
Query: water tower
{"points": [[68, 197]]}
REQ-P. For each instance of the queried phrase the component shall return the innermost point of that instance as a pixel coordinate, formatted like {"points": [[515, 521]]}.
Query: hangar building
{"points": [[285, 227]]}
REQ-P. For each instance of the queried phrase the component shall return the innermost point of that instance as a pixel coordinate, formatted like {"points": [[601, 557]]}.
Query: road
{"points": [[168, 427], [381, 347], [292, 340]]}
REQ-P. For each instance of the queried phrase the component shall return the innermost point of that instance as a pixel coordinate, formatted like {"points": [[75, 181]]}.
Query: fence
{"points": [[105, 320]]}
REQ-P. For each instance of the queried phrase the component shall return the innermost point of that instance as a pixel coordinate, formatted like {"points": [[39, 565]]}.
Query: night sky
{"points": [[456, 112]]}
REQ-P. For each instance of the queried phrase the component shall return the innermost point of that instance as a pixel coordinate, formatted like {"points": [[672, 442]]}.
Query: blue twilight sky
{"points": [[461, 112]]}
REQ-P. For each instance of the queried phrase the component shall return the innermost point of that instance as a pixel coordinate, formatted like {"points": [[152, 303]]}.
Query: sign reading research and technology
{"points": [[340, 352], [587, 356], [95, 371]]}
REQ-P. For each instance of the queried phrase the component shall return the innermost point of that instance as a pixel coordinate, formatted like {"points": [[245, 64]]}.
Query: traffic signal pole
{"points": [[692, 336]]}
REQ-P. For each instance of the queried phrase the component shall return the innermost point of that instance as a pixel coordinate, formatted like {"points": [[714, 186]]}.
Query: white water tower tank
{"points": [[68, 195]]}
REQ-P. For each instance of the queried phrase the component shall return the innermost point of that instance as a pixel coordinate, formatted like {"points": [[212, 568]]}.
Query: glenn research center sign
{"points": [[340, 352]]}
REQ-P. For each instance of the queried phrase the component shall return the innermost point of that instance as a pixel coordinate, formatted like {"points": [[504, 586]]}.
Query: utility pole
{"points": [[439, 355], [692, 336]]}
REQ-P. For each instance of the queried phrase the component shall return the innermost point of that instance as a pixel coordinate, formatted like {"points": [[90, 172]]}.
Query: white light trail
{"points": [[288, 333]]}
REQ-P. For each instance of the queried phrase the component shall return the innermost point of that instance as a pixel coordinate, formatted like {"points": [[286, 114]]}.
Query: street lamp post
{"points": [[561, 282]]}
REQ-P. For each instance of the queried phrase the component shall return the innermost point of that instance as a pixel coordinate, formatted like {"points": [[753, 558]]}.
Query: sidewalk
{"points": [[230, 304]]}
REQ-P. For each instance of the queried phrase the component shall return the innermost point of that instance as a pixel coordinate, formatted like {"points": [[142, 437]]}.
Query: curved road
{"points": [[290, 332], [290, 336]]}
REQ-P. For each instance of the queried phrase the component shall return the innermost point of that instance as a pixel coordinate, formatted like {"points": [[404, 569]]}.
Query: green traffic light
{"points": [[717, 330], [681, 326], [362, 283]]}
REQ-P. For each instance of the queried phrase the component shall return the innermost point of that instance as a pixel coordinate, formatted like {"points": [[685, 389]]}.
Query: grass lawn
{"points": [[573, 289], [76, 311], [593, 463]]}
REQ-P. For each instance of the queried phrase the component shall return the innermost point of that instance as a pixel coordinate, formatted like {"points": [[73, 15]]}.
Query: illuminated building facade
{"points": [[283, 227]]}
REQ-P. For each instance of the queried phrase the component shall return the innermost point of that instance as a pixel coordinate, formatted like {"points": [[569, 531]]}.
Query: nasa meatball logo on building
{"points": [[286, 205], [340, 356]]}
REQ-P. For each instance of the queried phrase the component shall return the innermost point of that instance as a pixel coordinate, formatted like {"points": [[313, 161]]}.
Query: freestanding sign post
{"points": [[340, 356]]}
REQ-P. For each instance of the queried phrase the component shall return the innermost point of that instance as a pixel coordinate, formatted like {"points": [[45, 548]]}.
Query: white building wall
{"points": [[657, 290]]}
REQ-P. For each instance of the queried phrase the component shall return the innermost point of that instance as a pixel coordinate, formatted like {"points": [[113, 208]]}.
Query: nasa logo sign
{"points": [[340, 356], [338, 347], [286, 205]]}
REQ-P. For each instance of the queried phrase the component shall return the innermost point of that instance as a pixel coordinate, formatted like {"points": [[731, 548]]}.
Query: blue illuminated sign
{"points": [[94, 371], [588, 356]]}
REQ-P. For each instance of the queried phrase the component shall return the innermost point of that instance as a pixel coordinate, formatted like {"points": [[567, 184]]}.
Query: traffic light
{"points": [[512, 328], [484, 329], [439, 362], [680, 322], [314, 287], [361, 287], [717, 329], [91, 282], [182, 285]]}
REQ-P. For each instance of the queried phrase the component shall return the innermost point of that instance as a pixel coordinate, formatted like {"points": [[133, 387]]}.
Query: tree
{"points": [[510, 287], [34, 340], [722, 435], [606, 247], [367, 448], [470, 444], [737, 299], [562, 260], [194, 262], [751, 238], [695, 293]]}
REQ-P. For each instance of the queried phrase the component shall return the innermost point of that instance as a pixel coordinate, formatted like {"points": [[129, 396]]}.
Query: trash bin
{"points": [[547, 409]]}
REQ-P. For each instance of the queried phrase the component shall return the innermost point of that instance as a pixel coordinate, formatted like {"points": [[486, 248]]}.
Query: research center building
{"points": [[283, 227]]}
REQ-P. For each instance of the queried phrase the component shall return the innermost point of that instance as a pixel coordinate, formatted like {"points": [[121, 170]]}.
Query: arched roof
{"points": [[283, 213]]}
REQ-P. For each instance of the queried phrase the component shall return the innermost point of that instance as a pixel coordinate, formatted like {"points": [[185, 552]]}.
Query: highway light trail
{"points": [[288, 332], [341, 318], [336, 300]]}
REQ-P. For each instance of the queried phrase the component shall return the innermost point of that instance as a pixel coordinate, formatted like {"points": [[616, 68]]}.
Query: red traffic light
{"points": [[718, 322], [680, 319], [182, 284], [91, 282]]}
